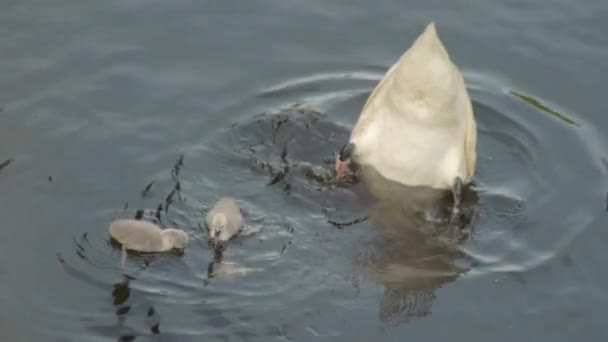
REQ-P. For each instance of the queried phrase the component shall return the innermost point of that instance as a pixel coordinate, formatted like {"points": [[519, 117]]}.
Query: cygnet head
{"points": [[218, 226], [175, 237]]}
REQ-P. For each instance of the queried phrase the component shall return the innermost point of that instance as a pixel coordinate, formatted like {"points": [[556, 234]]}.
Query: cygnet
{"points": [[143, 236], [223, 221]]}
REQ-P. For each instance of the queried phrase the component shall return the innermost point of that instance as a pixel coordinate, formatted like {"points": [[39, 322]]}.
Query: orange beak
{"points": [[341, 167]]}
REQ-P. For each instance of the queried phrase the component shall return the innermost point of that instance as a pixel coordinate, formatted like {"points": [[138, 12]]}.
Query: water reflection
{"points": [[414, 250], [121, 292]]}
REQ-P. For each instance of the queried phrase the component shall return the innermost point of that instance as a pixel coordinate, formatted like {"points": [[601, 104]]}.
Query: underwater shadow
{"points": [[414, 250]]}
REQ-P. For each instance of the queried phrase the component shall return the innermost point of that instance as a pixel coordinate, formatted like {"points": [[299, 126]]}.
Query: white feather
{"points": [[417, 126]]}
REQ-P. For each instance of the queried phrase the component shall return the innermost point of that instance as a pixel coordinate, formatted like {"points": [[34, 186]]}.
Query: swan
{"points": [[223, 221], [417, 126], [143, 236]]}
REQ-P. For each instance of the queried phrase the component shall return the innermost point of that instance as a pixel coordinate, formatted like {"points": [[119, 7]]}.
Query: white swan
{"points": [[143, 236], [417, 127], [223, 221]]}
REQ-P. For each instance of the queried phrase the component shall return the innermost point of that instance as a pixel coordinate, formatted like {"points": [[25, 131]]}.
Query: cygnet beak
{"points": [[216, 243]]}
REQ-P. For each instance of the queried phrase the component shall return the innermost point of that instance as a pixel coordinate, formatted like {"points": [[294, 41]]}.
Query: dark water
{"points": [[101, 98]]}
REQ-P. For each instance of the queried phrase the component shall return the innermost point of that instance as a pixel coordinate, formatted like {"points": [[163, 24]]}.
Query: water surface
{"points": [[99, 99]]}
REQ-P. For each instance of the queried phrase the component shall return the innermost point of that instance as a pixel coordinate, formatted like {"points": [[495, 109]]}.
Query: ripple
{"points": [[302, 261], [323, 90], [522, 181], [518, 172], [318, 82]]}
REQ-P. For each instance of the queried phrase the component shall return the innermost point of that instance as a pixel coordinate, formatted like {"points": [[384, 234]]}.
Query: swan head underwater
{"points": [[344, 159], [417, 126]]}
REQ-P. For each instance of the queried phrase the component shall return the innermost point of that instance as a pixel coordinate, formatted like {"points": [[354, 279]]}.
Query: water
{"points": [[99, 99]]}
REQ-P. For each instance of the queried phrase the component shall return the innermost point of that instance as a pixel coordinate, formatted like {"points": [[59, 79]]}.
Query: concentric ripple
{"points": [[278, 161], [523, 179], [530, 162]]}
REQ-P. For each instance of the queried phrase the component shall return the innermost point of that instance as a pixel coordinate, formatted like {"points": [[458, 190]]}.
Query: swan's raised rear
{"points": [[417, 127]]}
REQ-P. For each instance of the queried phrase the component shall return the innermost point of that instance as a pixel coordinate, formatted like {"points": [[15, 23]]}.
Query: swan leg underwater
{"points": [[417, 127], [123, 257]]}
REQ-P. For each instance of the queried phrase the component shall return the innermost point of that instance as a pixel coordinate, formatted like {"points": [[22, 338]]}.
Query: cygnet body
{"points": [[417, 127], [143, 236], [224, 221]]}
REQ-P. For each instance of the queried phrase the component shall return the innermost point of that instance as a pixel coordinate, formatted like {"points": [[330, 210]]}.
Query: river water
{"points": [[101, 98]]}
